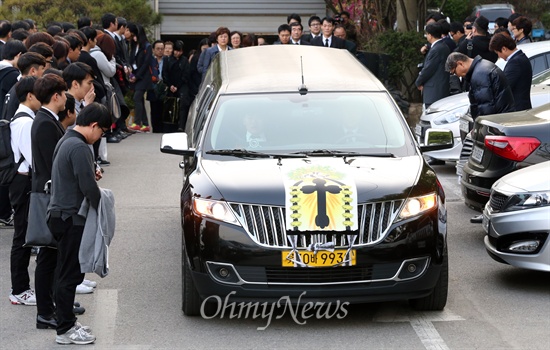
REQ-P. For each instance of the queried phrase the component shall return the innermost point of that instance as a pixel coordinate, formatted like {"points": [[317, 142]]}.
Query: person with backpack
{"points": [[19, 190], [11, 51]]}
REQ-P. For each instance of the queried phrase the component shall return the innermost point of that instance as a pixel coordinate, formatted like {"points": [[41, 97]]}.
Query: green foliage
{"points": [[403, 49], [46, 11], [457, 10], [545, 19]]}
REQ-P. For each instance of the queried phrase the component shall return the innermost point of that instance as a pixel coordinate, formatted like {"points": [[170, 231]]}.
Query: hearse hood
{"points": [[262, 181]]}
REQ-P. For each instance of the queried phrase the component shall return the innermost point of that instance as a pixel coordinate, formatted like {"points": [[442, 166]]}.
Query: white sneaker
{"points": [[25, 298], [75, 335], [83, 289], [89, 283]]}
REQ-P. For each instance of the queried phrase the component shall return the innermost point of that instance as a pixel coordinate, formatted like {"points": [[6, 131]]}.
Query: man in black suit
{"points": [[284, 35], [341, 33], [327, 39], [5, 33], [46, 130], [296, 30], [518, 69], [314, 24], [433, 80]]}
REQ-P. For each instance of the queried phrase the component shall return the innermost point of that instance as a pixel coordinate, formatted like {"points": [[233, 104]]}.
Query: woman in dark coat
{"points": [[140, 78]]}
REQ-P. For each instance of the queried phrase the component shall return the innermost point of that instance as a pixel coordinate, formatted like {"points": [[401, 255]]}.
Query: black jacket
{"points": [[177, 73], [8, 78], [480, 46], [46, 131], [489, 90], [433, 77], [142, 59], [336, 42], [519, 74]]}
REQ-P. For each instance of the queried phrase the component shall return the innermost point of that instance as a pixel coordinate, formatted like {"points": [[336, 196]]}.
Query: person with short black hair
{"points": [[518, 70], [314, 24], [432, 80], [296, 31], [45, 51], [293, 18], [46, 131], [54, 30], [327, 39], [5, 33], [109, 22], [9, 73], [20, 127], [521, 28], [478, 44], [30, 64], [74, 178], [457, 32], [83, 22], [284, 35]]}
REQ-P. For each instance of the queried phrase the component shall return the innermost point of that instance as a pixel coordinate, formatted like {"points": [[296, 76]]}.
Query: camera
{"points": [[469, 26]]}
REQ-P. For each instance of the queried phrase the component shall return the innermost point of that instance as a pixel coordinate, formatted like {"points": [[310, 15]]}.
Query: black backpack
{"points": [[8, 167]]}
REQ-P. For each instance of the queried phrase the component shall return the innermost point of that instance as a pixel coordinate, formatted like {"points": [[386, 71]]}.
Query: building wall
{"points": [[193, 17]]}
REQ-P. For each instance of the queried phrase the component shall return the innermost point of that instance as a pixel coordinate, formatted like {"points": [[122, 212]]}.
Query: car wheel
{"points": [[438, 298], [191, 298]]}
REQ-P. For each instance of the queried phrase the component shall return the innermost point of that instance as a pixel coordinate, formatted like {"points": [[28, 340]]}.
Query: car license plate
{"points": [[477, 154], [320, 259], [418, 130], [485, 223], [464, 125]]}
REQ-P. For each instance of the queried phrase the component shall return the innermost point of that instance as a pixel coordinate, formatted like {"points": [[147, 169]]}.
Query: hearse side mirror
{"points": [[176, 143], [437, 139]]}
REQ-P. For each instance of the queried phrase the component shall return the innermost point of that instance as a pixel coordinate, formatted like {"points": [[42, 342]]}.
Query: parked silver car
{"points": [[517, 218]]}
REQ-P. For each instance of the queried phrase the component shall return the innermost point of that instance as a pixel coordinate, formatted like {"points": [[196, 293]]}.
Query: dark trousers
{"points": [[5, 206], [44, 278], [140, 116], [156, 115], [19, 193], [68, 238]]}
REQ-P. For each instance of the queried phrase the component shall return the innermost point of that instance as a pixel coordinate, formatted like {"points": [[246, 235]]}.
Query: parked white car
{"points": [[517, 218], [446, 113]]}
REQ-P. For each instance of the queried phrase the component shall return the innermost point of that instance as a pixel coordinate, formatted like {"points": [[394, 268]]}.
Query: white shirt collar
{"points": [[512, 54], [52, 112], [25, 109]]}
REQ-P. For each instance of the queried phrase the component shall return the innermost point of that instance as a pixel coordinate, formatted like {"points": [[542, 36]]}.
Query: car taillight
{"points": [[513, 148]]}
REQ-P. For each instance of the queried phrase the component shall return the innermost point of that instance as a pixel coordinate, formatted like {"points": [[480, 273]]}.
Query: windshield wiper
{"points": [[326, 152], [246, 153]]}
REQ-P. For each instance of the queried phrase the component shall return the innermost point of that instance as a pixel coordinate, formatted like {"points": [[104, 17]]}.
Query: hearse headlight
{"points": [[214, 209], [417, 205]]}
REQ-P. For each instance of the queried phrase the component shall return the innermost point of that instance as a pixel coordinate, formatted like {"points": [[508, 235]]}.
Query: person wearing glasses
{"points": [[314, 24], [521, 28], [489, 90], [74, 178]]}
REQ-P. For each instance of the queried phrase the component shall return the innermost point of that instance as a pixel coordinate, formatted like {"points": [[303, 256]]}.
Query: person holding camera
{"points": [[478, 42]]}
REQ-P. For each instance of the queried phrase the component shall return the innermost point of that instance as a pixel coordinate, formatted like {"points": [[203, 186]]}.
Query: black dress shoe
{"points": [[478, 219], [113, 139], [79, 310], [43, 322]]}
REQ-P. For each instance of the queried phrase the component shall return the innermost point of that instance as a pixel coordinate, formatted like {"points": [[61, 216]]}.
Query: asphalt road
{"points": [[138, 306]]}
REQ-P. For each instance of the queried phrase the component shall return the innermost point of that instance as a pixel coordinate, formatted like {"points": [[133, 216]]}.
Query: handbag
{"points": [[38, 233], [171, 110]]}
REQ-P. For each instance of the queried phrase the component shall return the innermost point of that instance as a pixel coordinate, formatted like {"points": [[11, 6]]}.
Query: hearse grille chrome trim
{"points": [[266, 225]]}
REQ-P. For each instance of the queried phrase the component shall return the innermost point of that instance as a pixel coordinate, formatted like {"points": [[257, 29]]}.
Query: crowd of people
{"points": [[461, 57], [69, 82]]}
